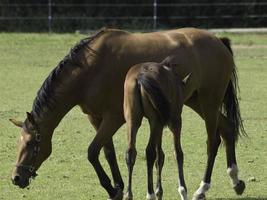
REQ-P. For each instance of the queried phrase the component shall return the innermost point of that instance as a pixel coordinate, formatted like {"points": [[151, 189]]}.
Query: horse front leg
{"points": [[110, 155], [109, 125]]}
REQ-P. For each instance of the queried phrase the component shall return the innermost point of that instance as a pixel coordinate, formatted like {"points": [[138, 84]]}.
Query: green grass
{"points": [[25, 61]]}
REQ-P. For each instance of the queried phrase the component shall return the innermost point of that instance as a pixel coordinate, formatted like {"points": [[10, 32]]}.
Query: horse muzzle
{"points": [[21, 182], [22, 176]]}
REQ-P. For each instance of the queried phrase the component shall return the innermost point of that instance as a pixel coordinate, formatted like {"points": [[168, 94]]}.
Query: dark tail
{"points": [[156, 96], [230, 103], [227, 42]]}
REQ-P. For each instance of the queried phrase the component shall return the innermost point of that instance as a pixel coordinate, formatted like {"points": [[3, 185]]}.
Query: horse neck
{"points": [[49, 109], [50, 120]]}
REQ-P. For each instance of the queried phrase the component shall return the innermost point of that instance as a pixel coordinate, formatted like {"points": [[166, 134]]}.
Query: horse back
{"points": [[197, 52]]}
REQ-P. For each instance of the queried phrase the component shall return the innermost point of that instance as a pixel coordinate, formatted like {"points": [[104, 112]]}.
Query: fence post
{"points": [[155, 15], [49, 16]]}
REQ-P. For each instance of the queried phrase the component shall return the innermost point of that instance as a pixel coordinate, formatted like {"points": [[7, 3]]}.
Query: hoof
{"points": [[151, 196], [128, 196], [159, 194], [159, 197], [183, 193], [199, 197], [119, 196], [240, 187]]}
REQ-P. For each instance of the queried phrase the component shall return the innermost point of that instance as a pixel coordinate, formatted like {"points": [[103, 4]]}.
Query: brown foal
{"points": [[154, 90]]}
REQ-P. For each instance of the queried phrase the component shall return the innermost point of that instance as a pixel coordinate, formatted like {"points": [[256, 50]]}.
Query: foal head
{"points": [[33, 149]]}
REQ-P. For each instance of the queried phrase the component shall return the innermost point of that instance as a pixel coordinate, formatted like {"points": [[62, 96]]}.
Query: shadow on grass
{"points": [[242, 198]]}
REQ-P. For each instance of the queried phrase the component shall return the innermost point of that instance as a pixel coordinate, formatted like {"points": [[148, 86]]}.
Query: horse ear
{"points": [[170, 61], [17, 123], [186, 79], [30, 118]]}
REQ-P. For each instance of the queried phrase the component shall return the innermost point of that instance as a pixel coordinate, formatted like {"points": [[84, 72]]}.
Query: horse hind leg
{"points": [[153, 149], [175, 127], [212, 148], [210, 113], [130, 156], [194, 103], [156, 129], [159, 165], [238, 185], [226, 133], [133, 113]]}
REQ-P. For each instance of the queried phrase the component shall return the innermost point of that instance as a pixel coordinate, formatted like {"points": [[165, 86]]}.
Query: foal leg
{"points": [[109, 125], [229, 139], [159, 166], [210, 113], [131, 153], [110, 155], [133, 113], [176, 130], [155, 133]]}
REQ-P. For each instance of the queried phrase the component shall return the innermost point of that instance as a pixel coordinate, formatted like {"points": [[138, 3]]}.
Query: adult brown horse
{"points": [[92, 76], [155, 91]]}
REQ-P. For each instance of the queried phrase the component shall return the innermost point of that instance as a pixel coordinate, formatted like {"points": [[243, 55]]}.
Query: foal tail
{"points": [[230, 103], [155, 96]]}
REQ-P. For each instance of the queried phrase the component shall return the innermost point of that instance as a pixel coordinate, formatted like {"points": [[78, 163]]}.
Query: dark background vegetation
{"points": [[32, 15]]}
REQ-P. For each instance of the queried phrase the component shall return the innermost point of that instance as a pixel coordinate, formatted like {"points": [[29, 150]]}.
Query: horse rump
{"points": [[156, 96]]}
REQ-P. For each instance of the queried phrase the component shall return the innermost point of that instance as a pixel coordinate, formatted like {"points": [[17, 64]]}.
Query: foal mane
{"points": [[46, 98]]}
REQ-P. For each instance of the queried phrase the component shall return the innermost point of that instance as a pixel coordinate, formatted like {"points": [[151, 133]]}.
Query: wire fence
{"points": [[52, 16]]}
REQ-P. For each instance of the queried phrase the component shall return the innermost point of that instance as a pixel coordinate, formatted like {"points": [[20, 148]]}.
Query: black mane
{"points": [[46, 98]]}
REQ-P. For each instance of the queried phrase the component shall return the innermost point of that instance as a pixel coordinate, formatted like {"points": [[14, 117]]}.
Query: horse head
{"points": [[33, 148]]}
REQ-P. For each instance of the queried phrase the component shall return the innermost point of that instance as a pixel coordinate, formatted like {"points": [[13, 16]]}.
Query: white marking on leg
{"points": [[233, 173], [158, 192], [204, 187], [151, 196], [182, 193]]}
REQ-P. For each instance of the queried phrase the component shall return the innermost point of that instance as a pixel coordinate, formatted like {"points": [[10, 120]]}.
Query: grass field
{"points": [[26, 60]]}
